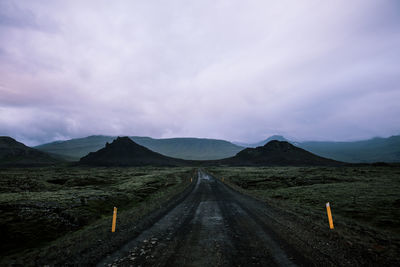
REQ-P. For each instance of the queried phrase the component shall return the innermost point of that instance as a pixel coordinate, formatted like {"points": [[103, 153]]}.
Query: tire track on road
{"points": [[211, 227]]}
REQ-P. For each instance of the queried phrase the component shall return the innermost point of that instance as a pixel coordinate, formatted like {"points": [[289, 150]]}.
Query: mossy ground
{"points": [[365, 200], [41, 207]]}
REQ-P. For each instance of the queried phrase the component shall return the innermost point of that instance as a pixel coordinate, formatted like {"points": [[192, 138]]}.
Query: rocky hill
{"points": [[277, 153]]}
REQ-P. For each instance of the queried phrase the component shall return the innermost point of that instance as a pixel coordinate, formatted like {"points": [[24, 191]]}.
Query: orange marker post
{"points": [[114, 221], [328, 210], [191, 179]]}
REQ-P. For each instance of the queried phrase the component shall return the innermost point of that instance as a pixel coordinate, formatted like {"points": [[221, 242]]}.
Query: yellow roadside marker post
{"points": [[328, 210], [114, 221], [191, 179]]}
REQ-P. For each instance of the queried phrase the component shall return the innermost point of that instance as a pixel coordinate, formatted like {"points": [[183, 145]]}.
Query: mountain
{"points": [[366, 151], [125, 152], [74, 149], [261, 143], [183, 148], [277, 153], [14, 153], [190, 148]]}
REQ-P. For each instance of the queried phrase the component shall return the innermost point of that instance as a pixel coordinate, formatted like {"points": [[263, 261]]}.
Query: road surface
{"points": [[213, 226]]}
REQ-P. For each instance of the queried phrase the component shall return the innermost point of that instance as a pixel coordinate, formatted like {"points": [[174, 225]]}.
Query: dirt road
{"points": [[213, 226]]}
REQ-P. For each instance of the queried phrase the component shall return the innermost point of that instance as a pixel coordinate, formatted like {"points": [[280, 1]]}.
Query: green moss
{"points": [[39, 205], [366, 195]]}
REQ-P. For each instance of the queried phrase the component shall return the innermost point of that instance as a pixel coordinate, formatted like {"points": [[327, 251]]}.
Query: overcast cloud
{"points": [[236, 70]]}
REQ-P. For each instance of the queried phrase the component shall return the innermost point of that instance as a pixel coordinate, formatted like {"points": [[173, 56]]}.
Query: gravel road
{"points": [[213, 226]]}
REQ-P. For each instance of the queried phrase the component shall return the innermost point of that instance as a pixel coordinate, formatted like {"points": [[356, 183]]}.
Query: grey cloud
{"points": [[15, 15], [222, 69]]}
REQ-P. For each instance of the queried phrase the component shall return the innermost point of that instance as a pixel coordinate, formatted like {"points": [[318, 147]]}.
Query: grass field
{"points": [[365, 201], [42, 208]]}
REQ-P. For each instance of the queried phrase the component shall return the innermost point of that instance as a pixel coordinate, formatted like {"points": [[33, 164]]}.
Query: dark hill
{"points": [[277, 153], [124, 152], [14, 153]]}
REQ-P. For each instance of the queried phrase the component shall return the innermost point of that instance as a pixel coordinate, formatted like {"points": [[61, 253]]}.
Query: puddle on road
{"points": [[204, 176], [208, 214]]}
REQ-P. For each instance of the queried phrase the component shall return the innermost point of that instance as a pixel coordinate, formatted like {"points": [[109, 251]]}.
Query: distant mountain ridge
{"points": [[190, 148], [14, 153], [74, 149], [366, 151], [262, 143], [183, 148], [278, 153], [369, 151]]}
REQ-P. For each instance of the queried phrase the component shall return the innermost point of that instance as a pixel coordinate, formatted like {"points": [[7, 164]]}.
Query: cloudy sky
{"points": [[236, 70]]}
